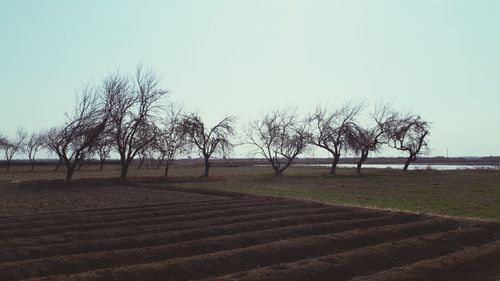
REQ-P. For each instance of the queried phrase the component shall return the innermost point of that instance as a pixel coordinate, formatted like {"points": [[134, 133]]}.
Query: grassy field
{"points": [[454, 193], [471, 193]]}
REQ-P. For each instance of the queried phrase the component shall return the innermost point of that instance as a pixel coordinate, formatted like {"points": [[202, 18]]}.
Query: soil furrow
{"points": [[136, 229], [43, 220], [234, 209], [96, 260], [71, 219], [152, 239], [103, 211], [460, 265], [346, 265], [231, 261]]}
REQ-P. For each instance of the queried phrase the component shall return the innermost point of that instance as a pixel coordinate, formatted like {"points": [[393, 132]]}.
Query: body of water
{"points": [[411, 167]]}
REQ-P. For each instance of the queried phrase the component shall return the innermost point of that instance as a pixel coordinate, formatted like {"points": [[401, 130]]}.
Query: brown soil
{"points": [[110, 231]]}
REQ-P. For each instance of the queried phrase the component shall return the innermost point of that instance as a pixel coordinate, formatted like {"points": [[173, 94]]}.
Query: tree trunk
{"points": [[166, 169], [410, 159], [141, 162], [275, 167], [362, 159], [69, 172], [80, 164], [282, 170], [278, 172], [358, 167], [58, 165], [124, 172], [102, 164], [333, 169], [8, 166], [206, 167], [32, 163], [125, 166]]}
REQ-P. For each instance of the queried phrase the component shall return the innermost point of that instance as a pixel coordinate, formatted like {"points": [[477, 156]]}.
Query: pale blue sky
{"points": [[437, 58]]}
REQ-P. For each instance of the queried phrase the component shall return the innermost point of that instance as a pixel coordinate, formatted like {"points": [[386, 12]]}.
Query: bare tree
{"points": [[4, 143], [103, 149], [132, 108], [34, 142], [80, 133], [280, 137], [365, 140], [209, 141], [12, 146], [331, 128], [409, 133], [172, 139]]}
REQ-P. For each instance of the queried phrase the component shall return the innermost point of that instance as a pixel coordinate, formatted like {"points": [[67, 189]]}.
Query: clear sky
{"points": [[437, 58]]}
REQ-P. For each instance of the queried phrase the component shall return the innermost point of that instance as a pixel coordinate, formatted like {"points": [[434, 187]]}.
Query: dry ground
{"points": [[107, 230]]}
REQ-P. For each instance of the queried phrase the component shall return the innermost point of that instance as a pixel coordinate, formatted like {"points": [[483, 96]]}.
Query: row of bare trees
{"points": [[281, 135], [21, 142], [130, 116]]}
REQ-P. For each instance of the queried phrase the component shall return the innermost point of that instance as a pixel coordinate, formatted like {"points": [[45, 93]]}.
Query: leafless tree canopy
{"points": [[408, 133], [3, 141], [51, 142], [80, 132], [104, 146], [330, 129], [13, 146], [148, 151], [216, 139], [33, 143], [280, 137], [132, 107], [363, 140], [172, 138]]}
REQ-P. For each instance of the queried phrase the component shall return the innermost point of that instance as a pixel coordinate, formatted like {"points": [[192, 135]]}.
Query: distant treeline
{"points": [[242, 162]]}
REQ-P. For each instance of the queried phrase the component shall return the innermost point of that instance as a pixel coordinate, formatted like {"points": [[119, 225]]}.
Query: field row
{"points": [[245, 238]]}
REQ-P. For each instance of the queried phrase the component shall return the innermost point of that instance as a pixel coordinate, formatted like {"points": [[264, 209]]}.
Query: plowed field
{"points": [[230, 237]]}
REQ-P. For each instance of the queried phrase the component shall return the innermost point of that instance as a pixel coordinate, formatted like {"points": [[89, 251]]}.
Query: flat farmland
{"points": [[105, 230], [458, 193]]}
